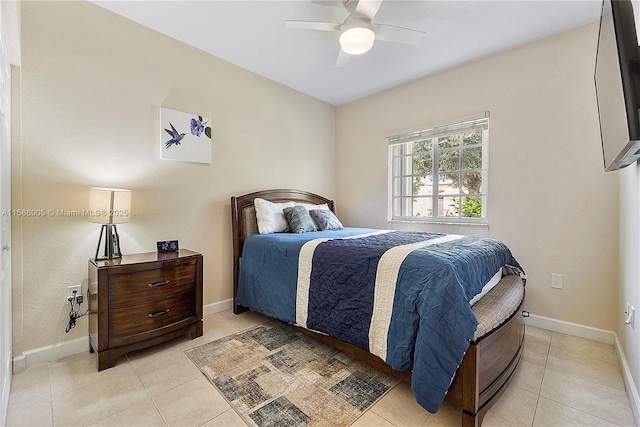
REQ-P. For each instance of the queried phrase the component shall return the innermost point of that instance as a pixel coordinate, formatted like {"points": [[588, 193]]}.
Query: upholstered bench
{"points": [[494, 353], [498, 305]]}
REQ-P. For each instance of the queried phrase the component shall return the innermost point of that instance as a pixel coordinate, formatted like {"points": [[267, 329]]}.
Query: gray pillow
{"points": [[325, 219], [298, 219]]}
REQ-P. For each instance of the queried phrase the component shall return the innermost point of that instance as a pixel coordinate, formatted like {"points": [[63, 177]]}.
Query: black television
{"points": [[617, 80]]}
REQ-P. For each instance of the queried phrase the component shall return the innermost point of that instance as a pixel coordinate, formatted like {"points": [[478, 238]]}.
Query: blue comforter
{"points": [[403, 296]]}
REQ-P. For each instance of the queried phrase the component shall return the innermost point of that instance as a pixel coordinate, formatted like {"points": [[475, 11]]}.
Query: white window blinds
{"points": [[472, 124]]}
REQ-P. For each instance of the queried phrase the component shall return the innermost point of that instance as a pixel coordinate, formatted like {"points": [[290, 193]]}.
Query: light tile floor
{"points": [[562, 380]]}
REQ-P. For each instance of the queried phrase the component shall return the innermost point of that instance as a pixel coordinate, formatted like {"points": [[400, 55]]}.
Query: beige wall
{"points": [[92, 84], [549, 198], [630, 270], [629, 246]]}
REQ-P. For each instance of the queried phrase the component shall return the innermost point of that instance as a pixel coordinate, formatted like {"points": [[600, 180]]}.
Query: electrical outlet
{"points": [[71, 289], [556, 281], [630, 316]]}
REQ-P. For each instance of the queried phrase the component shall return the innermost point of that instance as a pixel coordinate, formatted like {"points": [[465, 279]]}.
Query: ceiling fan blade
{"points": [[343, 58], [331, 3], [391, 33], [313, 25], [368, 8]]}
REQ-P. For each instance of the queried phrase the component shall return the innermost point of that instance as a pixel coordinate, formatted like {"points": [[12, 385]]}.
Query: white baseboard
{"points": [[50, 353], [217, 307], [629, 384], [595, 334]]}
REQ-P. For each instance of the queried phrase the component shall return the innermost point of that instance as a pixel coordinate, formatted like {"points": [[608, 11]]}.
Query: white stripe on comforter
{"points": [[385, 289]]}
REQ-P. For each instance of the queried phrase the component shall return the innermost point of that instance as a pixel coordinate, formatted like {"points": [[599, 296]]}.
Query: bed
{"points": [[476, 351]]}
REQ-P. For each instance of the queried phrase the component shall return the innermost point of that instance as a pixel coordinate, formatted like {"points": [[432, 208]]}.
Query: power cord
{"points": [[73, 313]]}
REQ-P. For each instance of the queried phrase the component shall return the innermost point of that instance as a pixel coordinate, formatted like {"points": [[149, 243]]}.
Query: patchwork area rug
{"points": [[274, 375]]}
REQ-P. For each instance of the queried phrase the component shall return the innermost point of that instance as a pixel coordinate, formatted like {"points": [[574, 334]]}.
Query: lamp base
{"points": [[111, 243]]}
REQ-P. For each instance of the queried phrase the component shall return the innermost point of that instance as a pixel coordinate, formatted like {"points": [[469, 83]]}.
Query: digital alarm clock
{"points": [[167, 246]]}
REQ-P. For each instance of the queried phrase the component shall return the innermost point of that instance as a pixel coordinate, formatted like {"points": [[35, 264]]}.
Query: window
{"points": [[439, 173]]}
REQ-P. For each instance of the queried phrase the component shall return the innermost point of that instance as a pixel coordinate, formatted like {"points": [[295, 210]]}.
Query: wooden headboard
{"points": [[244, 224]]}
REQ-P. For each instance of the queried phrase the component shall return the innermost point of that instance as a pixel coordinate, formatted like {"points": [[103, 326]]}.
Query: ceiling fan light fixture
{"points": [[357, 39]]}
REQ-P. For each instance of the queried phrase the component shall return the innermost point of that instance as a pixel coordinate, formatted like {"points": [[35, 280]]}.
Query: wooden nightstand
{"points": [[142, 300]]}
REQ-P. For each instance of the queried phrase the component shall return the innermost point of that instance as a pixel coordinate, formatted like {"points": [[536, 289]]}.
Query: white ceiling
{"points": [[252, 35]]}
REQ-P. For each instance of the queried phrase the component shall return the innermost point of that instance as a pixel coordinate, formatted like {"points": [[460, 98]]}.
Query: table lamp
{"points": [[109, 206]]}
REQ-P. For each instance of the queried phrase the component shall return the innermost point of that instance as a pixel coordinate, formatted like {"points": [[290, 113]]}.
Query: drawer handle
{"points": [[159, 313], [153, 285]]}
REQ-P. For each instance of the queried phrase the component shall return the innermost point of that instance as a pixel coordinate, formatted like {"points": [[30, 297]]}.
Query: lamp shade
{"points": [[357, 37], [109, 205]]}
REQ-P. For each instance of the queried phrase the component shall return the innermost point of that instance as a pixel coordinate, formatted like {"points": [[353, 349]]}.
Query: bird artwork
{"points": [[176, 136], [194, 145]]}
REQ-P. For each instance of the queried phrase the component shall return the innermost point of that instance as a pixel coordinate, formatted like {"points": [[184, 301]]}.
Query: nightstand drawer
{"points": [[146, 285], [151, 316]]}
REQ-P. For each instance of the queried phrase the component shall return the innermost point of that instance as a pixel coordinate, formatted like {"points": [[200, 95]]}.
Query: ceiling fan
{"points": [[358, 31]]}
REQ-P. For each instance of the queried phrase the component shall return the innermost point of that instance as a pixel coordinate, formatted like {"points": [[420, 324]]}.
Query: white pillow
{"points": [[311, 206], [270, 217]]}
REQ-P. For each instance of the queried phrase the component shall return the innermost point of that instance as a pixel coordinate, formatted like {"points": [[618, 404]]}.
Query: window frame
{"points": [[407, 139]]}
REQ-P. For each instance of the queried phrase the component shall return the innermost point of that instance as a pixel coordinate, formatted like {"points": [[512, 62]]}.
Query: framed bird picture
{"points": [[184, 137]]}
